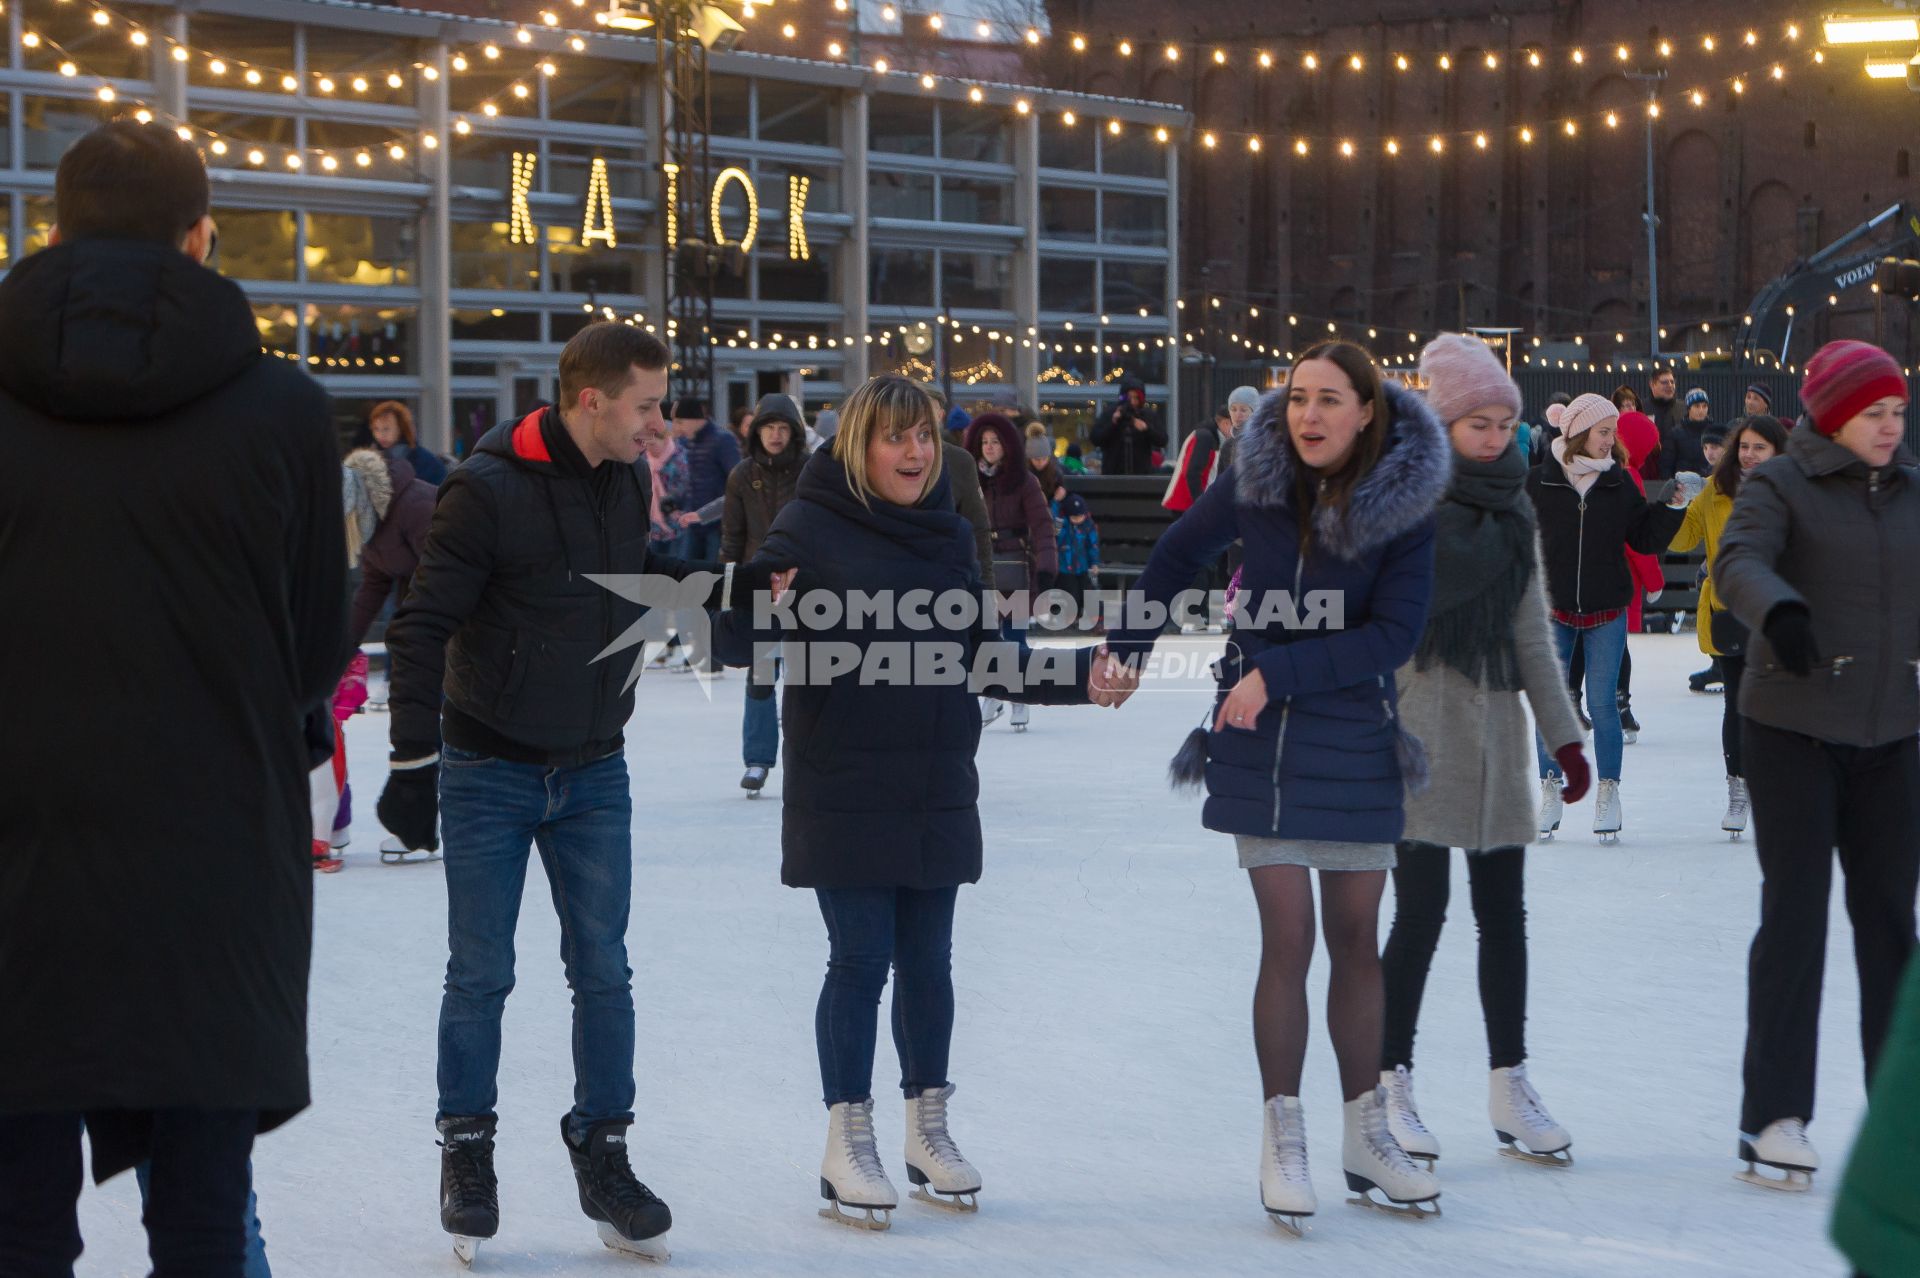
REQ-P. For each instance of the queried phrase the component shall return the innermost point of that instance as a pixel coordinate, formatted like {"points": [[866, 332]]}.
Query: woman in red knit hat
{"points": [[1817, 560]]}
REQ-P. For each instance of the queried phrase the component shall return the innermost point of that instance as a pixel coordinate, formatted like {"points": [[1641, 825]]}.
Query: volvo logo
{"points": [[1858, 275]]}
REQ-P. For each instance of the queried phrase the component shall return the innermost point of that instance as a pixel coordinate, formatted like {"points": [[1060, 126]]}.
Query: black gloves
{"points": [[410, 805], [1789, 632]]}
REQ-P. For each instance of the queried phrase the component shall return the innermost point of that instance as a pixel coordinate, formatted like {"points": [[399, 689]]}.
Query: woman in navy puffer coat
{"points": [[1332, 493]]}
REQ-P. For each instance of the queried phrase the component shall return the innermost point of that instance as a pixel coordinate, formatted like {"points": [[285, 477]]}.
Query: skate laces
{"points": [[618, 1182], [1736, 794], [1525, 1101], [1793, 1130], [1400, 1094], [1380, 1139], [1290, 1145], [861, 1148], [931, 1110], [468, 1166]]}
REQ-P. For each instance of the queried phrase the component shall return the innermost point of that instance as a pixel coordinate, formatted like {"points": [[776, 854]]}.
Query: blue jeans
{"points": [[702, 541], [581, 819], [760, 724], [868, 928], [1604, 647], [257, 1266]]}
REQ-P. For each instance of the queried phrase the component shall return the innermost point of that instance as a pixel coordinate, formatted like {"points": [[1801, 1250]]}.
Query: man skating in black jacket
{"points": [[527, 749]]}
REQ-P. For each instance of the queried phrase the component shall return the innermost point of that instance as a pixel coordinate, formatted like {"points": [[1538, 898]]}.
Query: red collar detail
{"points": [[529, 444]]}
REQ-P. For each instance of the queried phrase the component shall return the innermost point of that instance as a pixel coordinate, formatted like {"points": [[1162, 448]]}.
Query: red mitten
{"points": [[351, 693], [1573, 767]]}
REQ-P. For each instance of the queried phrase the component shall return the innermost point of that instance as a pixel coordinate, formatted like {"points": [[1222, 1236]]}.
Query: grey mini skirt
{"points": [[1315, 854]]}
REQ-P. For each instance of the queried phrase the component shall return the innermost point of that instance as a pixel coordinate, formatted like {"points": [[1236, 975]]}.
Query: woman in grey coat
{"points": [[1486, 643], [1817, 560]]}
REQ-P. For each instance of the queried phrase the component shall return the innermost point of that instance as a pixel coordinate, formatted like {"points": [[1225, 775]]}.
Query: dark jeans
{"points": [[1810, 796], [257, 1266], [194, 1214], [581, 819], [1732, 669], [760, 721], [867, 929], [1421, 885]]}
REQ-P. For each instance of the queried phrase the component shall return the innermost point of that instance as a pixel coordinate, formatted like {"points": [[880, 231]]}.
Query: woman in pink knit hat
{"points": [[1590, 514], [1818, 562]]}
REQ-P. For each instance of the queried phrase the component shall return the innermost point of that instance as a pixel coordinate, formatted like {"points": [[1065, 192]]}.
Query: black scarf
{"points": [[1483, 560]]}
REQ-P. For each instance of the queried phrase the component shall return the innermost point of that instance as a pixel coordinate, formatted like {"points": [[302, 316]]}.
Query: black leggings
{"points": [[1497, 881], [1732, 669]]}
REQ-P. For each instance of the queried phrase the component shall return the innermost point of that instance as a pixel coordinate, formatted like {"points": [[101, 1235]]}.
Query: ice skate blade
{"points": [[1290, 1223], [654, 1248], [1794, 1181], [959, 1202], [1558, 1158], [408, 858], [1734, 836], [1422, 1210], [465, 1248], [1608, 838], [877, 1220]]}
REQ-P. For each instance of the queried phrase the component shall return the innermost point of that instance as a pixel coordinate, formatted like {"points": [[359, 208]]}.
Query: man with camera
{"points": [[1129, 433]]}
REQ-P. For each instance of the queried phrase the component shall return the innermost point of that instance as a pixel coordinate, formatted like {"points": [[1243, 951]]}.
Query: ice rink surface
{"points": [[1107, 1089]]}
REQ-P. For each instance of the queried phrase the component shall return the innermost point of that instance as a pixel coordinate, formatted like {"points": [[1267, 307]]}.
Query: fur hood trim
{"points": [[371, 468], [1402, 489]]}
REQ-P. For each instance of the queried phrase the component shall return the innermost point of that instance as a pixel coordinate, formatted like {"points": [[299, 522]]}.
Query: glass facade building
{"points": [[416, 218]]}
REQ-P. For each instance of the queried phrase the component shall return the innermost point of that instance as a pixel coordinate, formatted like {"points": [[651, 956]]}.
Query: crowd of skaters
{"points": [[166, 1024]]}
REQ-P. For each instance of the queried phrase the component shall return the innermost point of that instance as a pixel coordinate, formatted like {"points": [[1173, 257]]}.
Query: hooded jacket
{"points": [[1125, 450], [1324, 759], [1818, 528], [1016, 508], [763, 483], [173, 565], [881, 786], [402, 510], [1641, 438], [1584, 537], [504, 620]]}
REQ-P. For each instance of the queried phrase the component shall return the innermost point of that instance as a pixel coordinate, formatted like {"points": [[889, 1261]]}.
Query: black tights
{"points": [[1350, 911], [1732, 669], [1497, 881]]}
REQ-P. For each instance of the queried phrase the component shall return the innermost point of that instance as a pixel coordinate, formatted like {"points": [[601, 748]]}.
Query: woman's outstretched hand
{"points": [[1112, 681], [1244, 704]]}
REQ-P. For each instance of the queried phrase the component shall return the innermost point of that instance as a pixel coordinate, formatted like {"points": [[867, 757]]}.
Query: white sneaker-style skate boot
{"points": [[394, 852], [1606, 812], [1286, 1187], [939, 1174], [991, 708], [1525, 1128], [1021, 713], [1735, 821], [1375, 1163], [1403, 1117], [1783, 1145], [1550, 806], [850, 1172]]}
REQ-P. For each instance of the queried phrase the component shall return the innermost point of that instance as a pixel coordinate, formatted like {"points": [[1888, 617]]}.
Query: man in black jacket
{"points": [[174, 578], [1129, 433], [506, 620]]}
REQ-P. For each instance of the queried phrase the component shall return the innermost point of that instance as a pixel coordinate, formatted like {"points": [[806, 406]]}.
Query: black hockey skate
{"points": [[469, 1194], [631, 1217]]}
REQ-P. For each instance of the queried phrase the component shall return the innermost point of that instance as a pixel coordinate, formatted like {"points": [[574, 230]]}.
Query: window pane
{"points": [[591, 92], [1134, 219], [823, 186], [1134, 153], [574, 267], [728, 114], [900, 124], [351, 141], [344, 248], [901, 277], [6, 134], [1066, 285], [784, 280], [1142, 359], [795, 113], [1066, 214], [495, 326], [54, 124], [975, 281], [39, 223], [570, 168], [68, 32], [279, 325], [901, 195], [242, 42], [973, 135], [1065, 147], [492, 80], [255, 244], [963, 201], [1131, 285], [345, 57], [359, 340], [483, 257], [488, 161]]}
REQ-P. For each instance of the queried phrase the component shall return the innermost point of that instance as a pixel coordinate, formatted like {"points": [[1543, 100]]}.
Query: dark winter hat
{"points": [[1765, 395], [1696, 396], [777, 408], [1843, 378], [1075, 504], [689, 407], [1714, 434]]}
